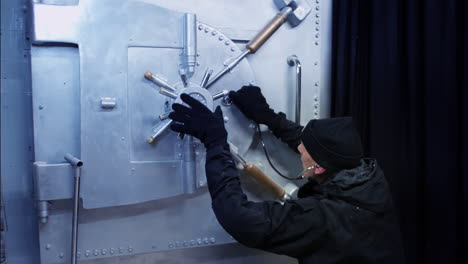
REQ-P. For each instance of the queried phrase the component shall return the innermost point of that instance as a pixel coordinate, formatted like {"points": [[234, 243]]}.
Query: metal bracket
{"points": [[53, 181]]}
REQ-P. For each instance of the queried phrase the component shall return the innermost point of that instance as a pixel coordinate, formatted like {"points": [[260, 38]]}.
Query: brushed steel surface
{"points": [[76, 73]]}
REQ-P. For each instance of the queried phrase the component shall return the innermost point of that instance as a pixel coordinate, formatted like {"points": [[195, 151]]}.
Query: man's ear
{"points": [[320, 170]]}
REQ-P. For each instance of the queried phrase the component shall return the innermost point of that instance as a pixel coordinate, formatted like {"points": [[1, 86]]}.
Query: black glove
{"points": [[199, 121], [251, 102]]}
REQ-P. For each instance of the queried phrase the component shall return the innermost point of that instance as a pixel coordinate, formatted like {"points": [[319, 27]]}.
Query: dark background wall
{"points": [[400, 69]]}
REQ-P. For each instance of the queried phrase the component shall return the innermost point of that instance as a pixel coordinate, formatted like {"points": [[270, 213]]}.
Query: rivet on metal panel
{"points": [[205, 240], [316, 84], [221, 38], [200, 27], [177, 244], [96, 252], [112, 251], [121, 250], [48, 246], [317, 15], [316, 98], [212, 240], [185, 243], [197, 153], [233, 48], [78, 254], [179, 155], [192, 242], [171, 245], [41, 107], [103, 251], [214, 33], [227, 43], [130, 249], [316, 42], [317, 1], [199, 241], [226, 119], [317, 22], [252, 82], [154, 246], [61, 255], [316, 106], [198, 54], [317, 35], [122, 138], [207, 30], [87, 254], [317, 8], [317, 28], [198, 64], [201, 183]]}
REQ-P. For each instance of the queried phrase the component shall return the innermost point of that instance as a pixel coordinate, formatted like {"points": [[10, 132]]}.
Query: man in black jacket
{"points": [[344, 214]]}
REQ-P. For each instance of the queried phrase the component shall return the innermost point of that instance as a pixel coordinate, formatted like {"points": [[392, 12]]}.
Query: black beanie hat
{"points": [[333, 143]]}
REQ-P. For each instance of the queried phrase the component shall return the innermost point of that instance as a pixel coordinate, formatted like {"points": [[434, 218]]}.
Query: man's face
{"points": [[307, 161]]}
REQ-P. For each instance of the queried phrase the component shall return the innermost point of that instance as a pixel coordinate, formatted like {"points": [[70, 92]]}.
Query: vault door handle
{"points": [[294, 61]]}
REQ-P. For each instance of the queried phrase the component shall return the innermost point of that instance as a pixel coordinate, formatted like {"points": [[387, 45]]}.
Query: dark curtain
{"points": [[400, 69]]}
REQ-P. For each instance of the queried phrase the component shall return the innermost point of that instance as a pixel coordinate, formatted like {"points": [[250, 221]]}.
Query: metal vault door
{"points": [[143, 186]]}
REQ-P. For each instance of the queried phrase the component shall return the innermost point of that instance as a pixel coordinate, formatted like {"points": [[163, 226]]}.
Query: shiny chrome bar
{"points": [[206, 77], [190, 44], [221, 94], [167, 93], [156, 134], [228, 67], [294, 61], [159, 81]]}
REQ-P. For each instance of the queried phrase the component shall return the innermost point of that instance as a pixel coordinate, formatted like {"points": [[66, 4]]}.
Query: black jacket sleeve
{"points": [[294, 228], [288, 131]]}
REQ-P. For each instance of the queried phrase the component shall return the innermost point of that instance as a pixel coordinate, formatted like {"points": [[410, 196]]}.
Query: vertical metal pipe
{"points": [[43, 211], [189, 170], [190, 44], [76, 164], [76, 199], [293, 60]]}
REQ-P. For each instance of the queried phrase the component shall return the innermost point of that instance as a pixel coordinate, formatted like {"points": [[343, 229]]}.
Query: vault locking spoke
{"points": [[198, 92]]}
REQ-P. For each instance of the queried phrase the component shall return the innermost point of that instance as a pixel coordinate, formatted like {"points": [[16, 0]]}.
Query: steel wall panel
{"points": [[20, 239]]}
